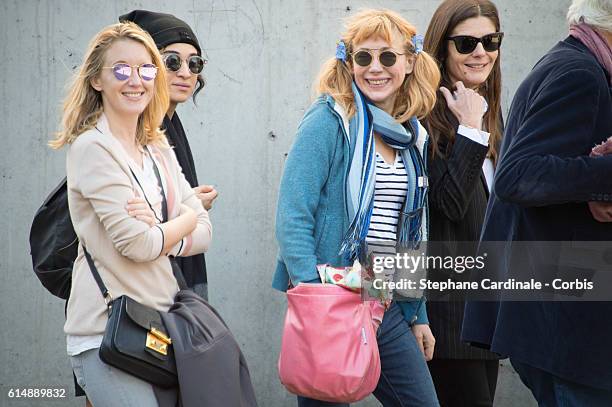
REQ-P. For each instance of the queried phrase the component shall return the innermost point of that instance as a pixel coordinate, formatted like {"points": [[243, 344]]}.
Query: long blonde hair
{"points": [[83, 104], [416, 96]]}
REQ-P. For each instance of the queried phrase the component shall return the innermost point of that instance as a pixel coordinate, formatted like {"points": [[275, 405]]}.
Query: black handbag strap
{"points": [[164, 207], [161, 186], [94, 271], [176, 271]]}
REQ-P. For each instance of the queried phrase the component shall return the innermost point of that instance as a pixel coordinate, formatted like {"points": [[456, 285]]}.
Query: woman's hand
{"points": [[139, 209], [425, 340], [206, 194], [466, 104]]}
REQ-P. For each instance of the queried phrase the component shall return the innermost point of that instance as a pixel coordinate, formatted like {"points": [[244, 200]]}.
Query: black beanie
{"points": [[164, 28]]}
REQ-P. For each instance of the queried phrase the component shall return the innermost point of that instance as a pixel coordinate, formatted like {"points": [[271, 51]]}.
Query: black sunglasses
{"points": [[174, 62], [466, 44], [386, 58]]}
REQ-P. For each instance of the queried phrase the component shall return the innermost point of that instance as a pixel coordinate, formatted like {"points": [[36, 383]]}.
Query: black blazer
{"points": [[457, 203], [543, 182]]}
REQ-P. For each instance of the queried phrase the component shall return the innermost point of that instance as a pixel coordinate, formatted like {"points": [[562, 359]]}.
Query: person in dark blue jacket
{"points": [[548, 187]]}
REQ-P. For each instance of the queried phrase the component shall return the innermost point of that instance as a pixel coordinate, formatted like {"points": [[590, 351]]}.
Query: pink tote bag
{"points": [[329, 350]]}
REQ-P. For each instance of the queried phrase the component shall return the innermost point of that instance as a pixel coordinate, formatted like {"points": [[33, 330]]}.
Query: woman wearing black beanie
{"points": [[184, 64]]}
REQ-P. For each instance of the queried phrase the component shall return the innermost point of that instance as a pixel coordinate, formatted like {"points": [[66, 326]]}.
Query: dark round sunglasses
{"points": [[195, 63], [386, 58], [466, 44]]}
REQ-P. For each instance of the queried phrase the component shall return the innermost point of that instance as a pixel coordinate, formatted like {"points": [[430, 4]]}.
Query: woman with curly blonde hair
{"points": [[355, 184], [129, 202]]}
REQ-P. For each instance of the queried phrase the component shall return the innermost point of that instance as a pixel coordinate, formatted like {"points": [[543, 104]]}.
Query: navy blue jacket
{"points": [[543, 182]]}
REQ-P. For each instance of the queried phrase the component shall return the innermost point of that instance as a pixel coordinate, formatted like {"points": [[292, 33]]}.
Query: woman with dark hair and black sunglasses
{"points": [[184, 63], [465, 128]]}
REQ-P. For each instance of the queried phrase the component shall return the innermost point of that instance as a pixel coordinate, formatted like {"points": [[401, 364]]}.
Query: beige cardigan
{"points": [[126, 251]]}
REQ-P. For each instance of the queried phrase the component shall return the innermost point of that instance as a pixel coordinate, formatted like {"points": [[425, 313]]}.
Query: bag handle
{"points": [[108, 298]]}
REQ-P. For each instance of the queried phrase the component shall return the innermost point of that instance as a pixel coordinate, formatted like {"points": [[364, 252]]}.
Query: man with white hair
{"points": [[550, 186]]}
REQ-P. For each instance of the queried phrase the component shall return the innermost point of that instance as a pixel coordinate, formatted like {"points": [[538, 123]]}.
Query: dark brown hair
{"points": [[199, 87], [441, 123]]}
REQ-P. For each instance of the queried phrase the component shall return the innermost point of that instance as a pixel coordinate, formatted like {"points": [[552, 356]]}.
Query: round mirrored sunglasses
{"points": [[122, 71], [364, 58], [195, 63]]}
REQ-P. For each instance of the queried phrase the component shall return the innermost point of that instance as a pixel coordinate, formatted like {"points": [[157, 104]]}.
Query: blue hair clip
{"points": [[417, 40], [341, 51]]}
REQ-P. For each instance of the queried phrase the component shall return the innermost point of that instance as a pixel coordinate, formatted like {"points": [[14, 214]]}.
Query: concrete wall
{"points": [[264, 55]]}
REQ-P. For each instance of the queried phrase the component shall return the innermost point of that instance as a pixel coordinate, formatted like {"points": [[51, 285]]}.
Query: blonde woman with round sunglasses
{"points": [[110, 125]]}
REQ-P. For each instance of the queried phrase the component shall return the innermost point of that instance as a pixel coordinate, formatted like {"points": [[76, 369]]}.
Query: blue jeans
{"points": [[552, 391], [404, 379]]}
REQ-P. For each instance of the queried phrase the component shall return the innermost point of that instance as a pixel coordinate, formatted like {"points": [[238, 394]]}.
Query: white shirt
{"points": [[389, 196], [480, 137]]}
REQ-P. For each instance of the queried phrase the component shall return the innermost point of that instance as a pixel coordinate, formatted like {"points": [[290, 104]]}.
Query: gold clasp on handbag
{"points": [[158, 341]]}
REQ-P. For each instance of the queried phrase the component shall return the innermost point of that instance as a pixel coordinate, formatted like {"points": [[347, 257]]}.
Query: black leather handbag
{"points": [[136, 340]]}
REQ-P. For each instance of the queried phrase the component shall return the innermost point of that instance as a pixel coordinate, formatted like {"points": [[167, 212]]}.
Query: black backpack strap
{"points": [[164, 204], [161, 186]]}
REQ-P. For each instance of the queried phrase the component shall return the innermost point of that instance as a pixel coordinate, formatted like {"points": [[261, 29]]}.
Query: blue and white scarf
{"points": [[412, 224]]}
